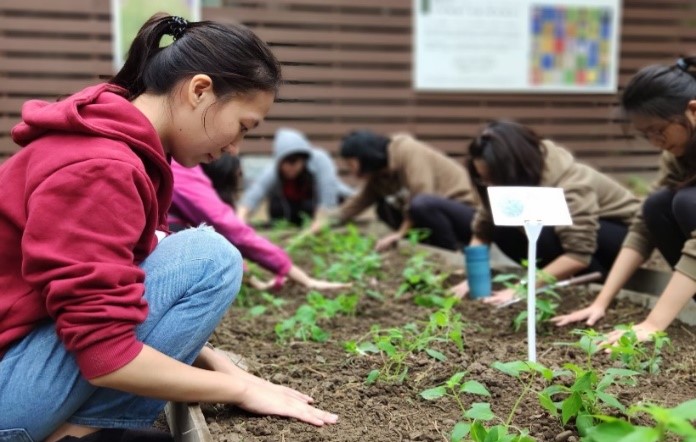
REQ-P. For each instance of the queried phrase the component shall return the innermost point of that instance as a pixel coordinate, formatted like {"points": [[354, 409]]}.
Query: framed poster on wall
{"points": [[530, 46], [127, 16]]}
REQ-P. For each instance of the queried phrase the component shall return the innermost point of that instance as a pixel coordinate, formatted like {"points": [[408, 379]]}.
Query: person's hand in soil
{"points": [[387, 242], [301, 277], [500, 297], [257, 284], [320, 284], [590, 315], [267, 398], [643, 332], [460, 290]]}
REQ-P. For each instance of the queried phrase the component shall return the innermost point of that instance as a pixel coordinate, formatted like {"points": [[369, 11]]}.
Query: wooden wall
{"points": [[347, 64]]}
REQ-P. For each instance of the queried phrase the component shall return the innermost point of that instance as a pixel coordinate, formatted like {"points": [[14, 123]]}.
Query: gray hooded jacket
{"points": [[328, 187]]}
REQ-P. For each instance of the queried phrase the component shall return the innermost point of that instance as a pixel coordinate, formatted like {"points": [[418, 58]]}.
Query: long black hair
{"points": [[513, 153], [664, 92], [369, 148], [226, 176], [236, 60]]}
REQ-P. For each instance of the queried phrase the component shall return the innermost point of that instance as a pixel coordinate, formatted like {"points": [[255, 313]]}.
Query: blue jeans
{"points": [[191, 278]]}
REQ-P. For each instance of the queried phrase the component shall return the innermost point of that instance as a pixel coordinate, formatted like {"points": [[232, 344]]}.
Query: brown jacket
{"points": [[418, 168], [672, 173], [590, 195]]}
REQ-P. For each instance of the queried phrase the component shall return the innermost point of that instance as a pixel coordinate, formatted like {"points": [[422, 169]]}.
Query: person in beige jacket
{"points": [[413, 185], [660, 102], [510, 154]]}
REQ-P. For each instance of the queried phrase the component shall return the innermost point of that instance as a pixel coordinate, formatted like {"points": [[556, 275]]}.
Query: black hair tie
{"points": [[177, 26], [682, 64]]}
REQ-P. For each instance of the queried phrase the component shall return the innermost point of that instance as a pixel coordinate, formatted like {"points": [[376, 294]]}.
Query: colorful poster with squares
{"points": [[570, 45], [524, 46]]}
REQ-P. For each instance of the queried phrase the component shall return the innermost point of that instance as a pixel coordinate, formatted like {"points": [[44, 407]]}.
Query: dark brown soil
{"points": [[389, 412]]}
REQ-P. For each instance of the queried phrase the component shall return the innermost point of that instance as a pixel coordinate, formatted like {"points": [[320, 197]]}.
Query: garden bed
{"points": [[393, 410]]}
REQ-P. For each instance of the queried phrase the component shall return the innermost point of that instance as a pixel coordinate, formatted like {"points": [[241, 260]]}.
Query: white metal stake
{"points": [[532, 229]]}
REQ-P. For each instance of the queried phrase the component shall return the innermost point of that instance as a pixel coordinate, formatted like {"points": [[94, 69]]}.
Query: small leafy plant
{"points": [[586, 397], [473, 424], [454, 387], [395, 345], [546, 296], [669, 423], [267, 301], [303, 324], [420, 278], [635, 355]]}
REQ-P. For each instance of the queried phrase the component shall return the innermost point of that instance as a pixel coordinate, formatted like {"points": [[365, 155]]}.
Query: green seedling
{"points": [[670, 423], [635, 355], [453, 388], [395, 345], [526, 373], [328, 308], [352, 255], [473, 425], [419, 277], [478, 432], [545, 296], [268, 301], [586, 397], [415, 236], [589, 343], [303, 324]]}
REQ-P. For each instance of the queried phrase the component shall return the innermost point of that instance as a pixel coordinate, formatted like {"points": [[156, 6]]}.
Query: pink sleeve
{"points": [[196, 200]]}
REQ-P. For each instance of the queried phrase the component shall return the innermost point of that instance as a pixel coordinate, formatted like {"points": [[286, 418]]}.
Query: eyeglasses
{"points": [[657, 135]]}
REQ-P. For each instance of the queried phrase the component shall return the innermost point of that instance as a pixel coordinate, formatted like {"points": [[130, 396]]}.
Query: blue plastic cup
{"points": [[478, 271]]}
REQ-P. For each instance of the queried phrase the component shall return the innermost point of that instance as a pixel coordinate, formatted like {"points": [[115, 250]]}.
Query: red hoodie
{"points": [[79, 206]]}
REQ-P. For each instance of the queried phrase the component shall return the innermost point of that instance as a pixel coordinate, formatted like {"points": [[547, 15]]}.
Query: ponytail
{"points": [[233, 56]]}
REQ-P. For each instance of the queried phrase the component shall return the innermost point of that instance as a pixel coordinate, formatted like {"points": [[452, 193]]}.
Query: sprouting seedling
{"points": [[670, 423], [634, 354], [517, 369], [395, 345], [268, 301], [473, 424], [476, 431], [454, 387], [303, 324], [546, 296], [589, 343], [415, 236], [586, 397], [419, 276]]}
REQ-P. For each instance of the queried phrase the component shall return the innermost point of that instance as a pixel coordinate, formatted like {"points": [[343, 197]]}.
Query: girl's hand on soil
{"points": [[267, 398], [318, 284], [460, 290], [590, 315], [256, 283], [500, 297], [388, 241], [643, 332]]}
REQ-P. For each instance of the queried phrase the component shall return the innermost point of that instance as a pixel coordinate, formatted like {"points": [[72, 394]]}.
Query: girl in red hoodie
{"points": [[99, 323]]}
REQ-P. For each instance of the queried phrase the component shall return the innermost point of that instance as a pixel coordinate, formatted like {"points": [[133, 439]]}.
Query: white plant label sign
{"points": [[533, 208], [513, 206]]}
